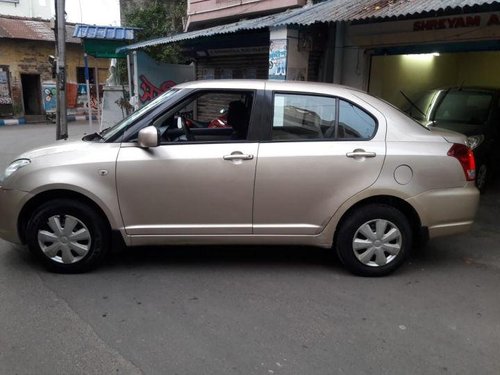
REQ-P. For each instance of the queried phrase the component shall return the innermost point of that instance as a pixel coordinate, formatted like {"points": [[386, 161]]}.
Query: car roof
{"points": [[261, 84]]}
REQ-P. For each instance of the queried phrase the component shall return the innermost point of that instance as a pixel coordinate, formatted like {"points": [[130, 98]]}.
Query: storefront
{"points": [[414, 55]]}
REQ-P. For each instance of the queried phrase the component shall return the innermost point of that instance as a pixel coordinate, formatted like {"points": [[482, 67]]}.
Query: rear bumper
{"points": [[11, 203], [447, 211]]}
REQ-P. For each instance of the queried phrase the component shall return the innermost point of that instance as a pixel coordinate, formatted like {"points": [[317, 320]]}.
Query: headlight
{"points": [[14, 166], [474, 141]]}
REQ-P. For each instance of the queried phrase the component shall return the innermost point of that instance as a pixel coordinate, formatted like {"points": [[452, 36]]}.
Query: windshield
{"points": [[467, 107], [122, 125]]}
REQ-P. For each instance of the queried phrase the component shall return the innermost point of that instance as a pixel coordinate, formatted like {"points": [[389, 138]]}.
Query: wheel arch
{"points": [[40, 198], [420, 234]]}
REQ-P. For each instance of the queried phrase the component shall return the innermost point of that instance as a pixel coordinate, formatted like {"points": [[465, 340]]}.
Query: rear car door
{"points": [[321, 150]]}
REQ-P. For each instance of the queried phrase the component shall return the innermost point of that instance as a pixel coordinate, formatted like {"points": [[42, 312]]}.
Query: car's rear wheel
{"points": [[374, 240], [68, 236]]}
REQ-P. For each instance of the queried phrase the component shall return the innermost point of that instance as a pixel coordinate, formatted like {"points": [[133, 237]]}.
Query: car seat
{"points": [[238, 119]]}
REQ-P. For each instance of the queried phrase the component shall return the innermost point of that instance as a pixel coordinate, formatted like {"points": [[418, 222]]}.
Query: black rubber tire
{"points": [[96, 224], [482, 181], [354, 221]]}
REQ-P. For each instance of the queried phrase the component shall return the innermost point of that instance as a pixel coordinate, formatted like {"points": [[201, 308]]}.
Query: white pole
{"points": [[136, 81], [87, 82], [98, 101], [129, 76]]}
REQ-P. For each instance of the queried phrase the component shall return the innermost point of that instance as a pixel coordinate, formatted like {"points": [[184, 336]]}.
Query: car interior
{"points": [[208, 117]]}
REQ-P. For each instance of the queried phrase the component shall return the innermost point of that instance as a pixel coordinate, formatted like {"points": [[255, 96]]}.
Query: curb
{"points": [[70, 118], [13, 121], [22, 120]]}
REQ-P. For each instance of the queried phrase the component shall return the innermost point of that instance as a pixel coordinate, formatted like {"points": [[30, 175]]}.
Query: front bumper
{"points": [[447, 211], [11, 203]]}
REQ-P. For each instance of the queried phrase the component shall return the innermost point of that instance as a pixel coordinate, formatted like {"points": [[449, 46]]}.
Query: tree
{"points": [[158, 19]]}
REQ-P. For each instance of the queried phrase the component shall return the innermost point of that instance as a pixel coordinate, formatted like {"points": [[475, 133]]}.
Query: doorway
{"points": [[32, 92], [415, 73]]}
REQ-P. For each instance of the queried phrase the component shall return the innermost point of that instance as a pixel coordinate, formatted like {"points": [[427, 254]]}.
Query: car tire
{"points": [[374, 240], [68, 236], [482, 176]]}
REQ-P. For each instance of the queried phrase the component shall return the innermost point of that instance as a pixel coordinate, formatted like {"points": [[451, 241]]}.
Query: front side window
{"points": [[312, 117], [208, 116]]}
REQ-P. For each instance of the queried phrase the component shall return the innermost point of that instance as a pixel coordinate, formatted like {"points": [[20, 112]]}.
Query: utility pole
{"points": [[60, 33]]}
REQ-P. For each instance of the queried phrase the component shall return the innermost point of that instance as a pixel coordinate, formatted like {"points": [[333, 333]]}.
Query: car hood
{"points": [[55, 148]]}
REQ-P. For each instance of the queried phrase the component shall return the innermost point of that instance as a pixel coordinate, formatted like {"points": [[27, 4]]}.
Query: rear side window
{"points": [[354, 122], [468, 107], [312, 117]]}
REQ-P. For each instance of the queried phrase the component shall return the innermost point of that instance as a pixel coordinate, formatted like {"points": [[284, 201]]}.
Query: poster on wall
{"points": [[277, 59], [49, 94], [4, 88]]}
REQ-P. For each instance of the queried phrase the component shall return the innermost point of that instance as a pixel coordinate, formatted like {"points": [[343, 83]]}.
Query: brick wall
{"points": [[31, 57]]}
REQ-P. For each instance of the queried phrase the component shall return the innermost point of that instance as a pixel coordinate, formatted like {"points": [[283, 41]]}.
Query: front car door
{"points": [[200, 180], [323, 148]]}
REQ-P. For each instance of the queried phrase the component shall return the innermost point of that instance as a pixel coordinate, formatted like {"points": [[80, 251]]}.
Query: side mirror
{"points": [[149, 137]]}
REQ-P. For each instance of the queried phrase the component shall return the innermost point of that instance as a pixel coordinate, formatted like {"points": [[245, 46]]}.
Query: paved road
{"points": [[259, 310]]}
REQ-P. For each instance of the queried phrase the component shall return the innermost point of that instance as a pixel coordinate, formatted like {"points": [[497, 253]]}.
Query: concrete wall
{"points": [[209, 11], [29, 8], [30, 57]]}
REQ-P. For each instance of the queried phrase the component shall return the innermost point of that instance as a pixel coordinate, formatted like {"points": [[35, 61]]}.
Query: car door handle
{"points": [[359, 153], [238, 157]]}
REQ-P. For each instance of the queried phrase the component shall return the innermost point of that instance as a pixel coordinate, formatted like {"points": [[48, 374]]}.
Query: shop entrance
{"points": [[415, 73], [32, 92]]}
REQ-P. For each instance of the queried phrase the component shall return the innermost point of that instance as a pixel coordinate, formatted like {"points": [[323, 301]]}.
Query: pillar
{"points": [[286, 60]]}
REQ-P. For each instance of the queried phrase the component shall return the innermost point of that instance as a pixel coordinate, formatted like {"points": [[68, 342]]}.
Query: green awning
{"points": [[104, 48]]}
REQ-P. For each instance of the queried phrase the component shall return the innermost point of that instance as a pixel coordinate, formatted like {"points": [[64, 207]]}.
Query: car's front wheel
{"points": [[68, 236], [374, 240]]}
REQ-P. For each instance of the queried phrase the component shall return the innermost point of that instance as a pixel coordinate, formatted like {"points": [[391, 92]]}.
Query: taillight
{"points": [[466, 158]]}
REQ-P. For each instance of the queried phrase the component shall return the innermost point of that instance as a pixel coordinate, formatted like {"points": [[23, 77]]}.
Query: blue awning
{"points": [[104, 32]]}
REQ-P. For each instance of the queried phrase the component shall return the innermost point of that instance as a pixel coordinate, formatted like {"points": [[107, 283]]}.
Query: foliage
{"points": [[158, 19]]}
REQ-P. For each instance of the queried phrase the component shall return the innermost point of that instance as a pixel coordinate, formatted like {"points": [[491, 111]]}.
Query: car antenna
{"points": [[412, 104]]}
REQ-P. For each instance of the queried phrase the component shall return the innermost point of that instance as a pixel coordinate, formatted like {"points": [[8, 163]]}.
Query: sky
{"points": [[94, 12]]}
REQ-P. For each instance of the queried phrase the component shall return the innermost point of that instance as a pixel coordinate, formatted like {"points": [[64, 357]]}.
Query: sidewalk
{"points": [[22, 120]]}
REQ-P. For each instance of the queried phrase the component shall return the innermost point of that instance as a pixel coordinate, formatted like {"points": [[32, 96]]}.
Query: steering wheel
{"points": [[185, 128]]}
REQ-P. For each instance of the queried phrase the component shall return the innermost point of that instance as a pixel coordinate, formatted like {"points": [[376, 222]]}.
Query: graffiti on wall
{"points": [[150, 91], [155, 78]]}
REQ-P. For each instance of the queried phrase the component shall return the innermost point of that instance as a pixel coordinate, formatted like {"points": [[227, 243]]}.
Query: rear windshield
{"points": [[467, 107]]}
